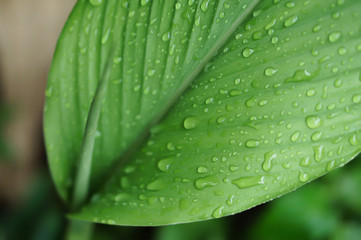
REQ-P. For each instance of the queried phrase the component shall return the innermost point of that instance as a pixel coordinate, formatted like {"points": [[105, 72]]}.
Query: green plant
{"points": [[178, 111]]}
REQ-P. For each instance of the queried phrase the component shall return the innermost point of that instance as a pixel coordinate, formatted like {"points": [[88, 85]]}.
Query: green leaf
{"points": [[276, 108], [160, 47]]}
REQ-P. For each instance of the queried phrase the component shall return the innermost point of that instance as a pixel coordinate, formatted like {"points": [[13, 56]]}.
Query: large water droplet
{"points": [[318, 152], [252, 143], [96, 2], [303, 176], [268, 158], [157, 184], [205, 5], [208, 181], [313, 121], [164, 164], [218, 212], [190, 123], [356, 98], [246, 182], [300, 76], [247, 52], [290, 21]]}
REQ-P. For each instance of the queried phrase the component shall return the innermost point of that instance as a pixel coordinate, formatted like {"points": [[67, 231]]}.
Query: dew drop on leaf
{"points": [[335, 36], [313, 121], [247, 52], [270, 71], [246, 182], [190, 123], [96, 2]]}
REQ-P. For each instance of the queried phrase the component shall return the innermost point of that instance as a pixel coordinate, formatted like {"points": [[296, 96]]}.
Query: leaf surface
{"points": [[157, 47], [277, 107]]}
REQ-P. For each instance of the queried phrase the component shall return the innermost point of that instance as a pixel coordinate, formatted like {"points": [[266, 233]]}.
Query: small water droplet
{"points": [[295, 136], [331, 165], [166, 36], [202, 169], [305, 162], [303, 176], [247, 52], [290, 21], [96, 2], [335, 36], [270, 71], [356, 98]]}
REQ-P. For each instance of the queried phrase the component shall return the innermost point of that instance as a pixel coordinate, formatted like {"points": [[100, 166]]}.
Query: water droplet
{"points": [[235, 92], [144, 2], [190, 123], [270, 71], [353, 140], [311, 92], [342, 51], [96, 2], [290, 21], [246, 182], [218, 212], [106, 37], [166, 36], [164, 164], [202, 169], [205, 5], [318, 150], [331, 165], [184, 203], [252, 143], [295, 136], [208, 181], [247, 52], [335, 36], [121, 197], [300, 76], [303, 176], [209, 100], [316, 136], [268, 158], [317, 28], [170, 146], [274, 39], [306, 161], [313, 121], [157, 185], [151, 72], [356, 98]]}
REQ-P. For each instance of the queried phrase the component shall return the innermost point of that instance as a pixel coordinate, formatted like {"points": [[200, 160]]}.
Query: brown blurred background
{"points": [[28, 34]]}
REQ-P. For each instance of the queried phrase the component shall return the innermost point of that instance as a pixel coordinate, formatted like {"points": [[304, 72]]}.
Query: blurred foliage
{"points": [[5, 152], [329, 208], [326, 209]]}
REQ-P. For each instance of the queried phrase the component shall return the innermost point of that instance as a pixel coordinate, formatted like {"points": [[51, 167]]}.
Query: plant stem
{"points": [[79, 230], [82, 177]]}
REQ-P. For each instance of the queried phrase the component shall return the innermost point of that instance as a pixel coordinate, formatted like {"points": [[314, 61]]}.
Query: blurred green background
{"points": [[329, 208]]}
